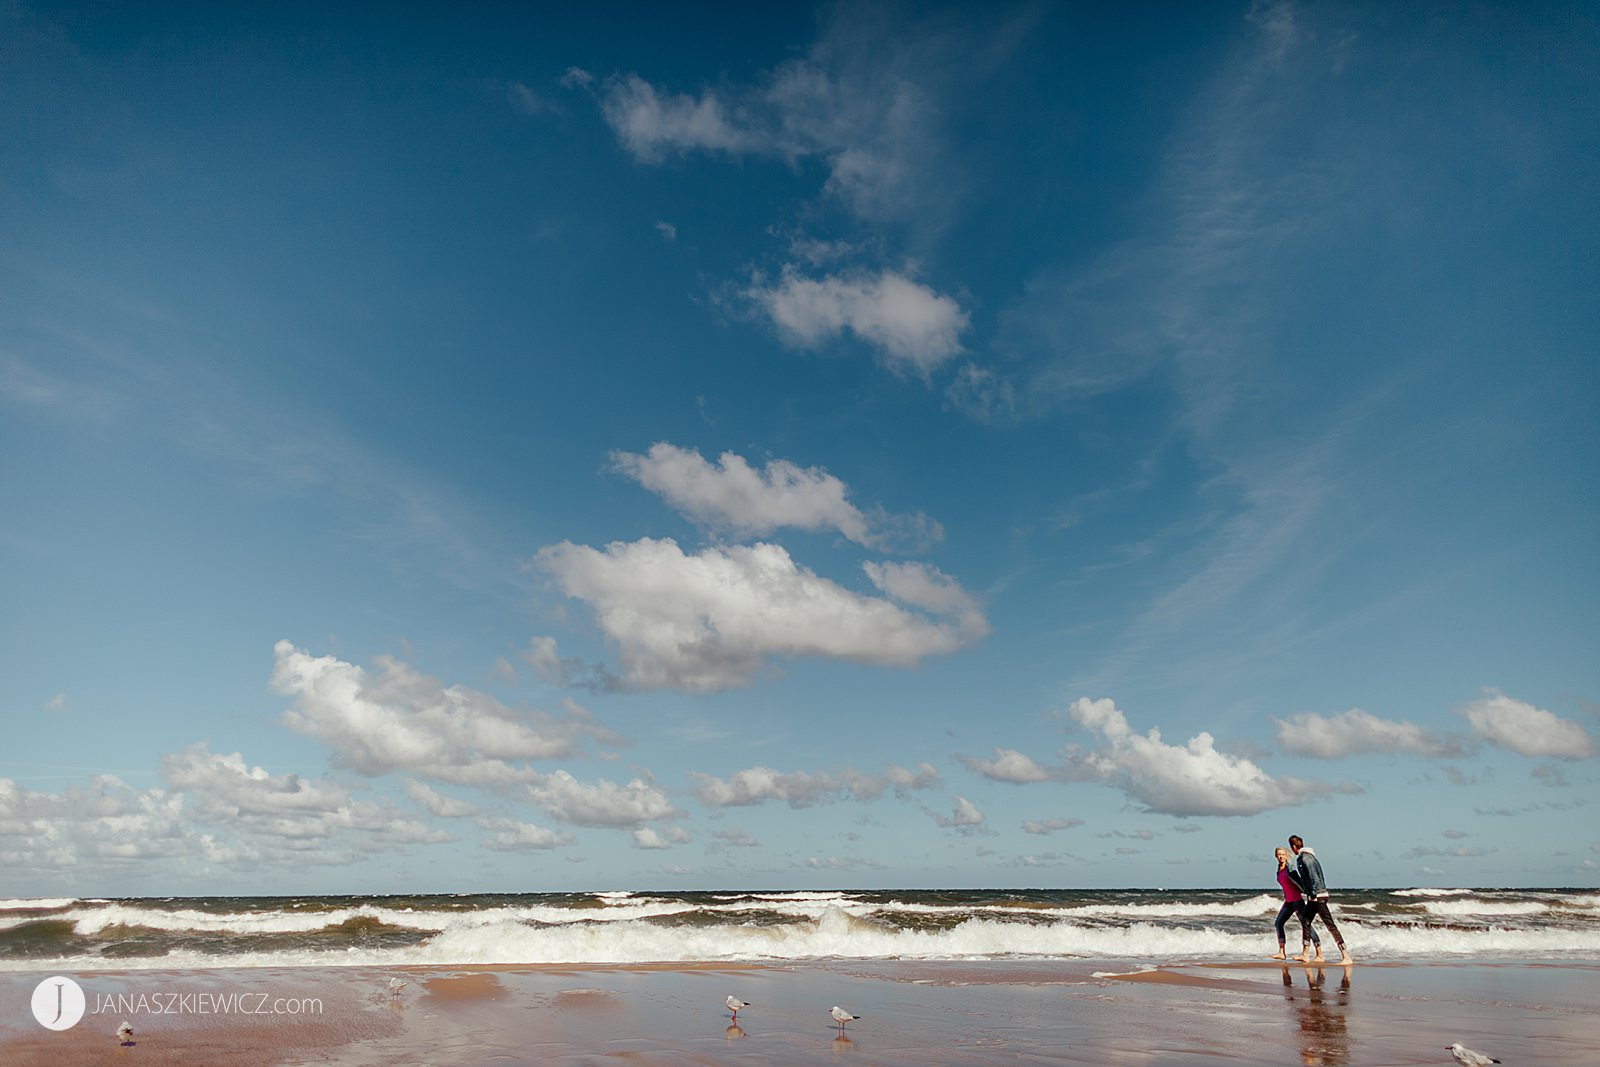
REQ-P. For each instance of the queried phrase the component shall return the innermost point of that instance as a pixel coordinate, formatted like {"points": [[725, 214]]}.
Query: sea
{"points": [[1177, 925]]}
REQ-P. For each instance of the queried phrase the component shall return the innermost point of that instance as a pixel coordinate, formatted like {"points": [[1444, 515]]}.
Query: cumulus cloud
{"points": [[732, 838], [396, 718], [649, 837], [711, 621], [509, 835], [274, 815], [213, 808], [964, 816], [107, 823], [436, 803], [734, 496], [801, 789], [1049, 826], [916, 328], [602, 803], [1356, 731], [1193, 779], [1009, 765], [1519, 727]]}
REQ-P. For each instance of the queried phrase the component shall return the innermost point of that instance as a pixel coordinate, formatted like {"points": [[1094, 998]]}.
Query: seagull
{"points": [[396, 985], [125, 1032], [841, 1016], [1468, 1058], [734, 1004]]}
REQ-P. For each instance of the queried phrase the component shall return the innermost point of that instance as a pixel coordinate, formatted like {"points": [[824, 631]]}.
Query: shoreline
{"points": [[1077, 1011]]}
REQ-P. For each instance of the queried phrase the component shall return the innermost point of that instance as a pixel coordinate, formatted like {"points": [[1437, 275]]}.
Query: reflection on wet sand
{"points": [[734, 1032], [1324, 1039]]}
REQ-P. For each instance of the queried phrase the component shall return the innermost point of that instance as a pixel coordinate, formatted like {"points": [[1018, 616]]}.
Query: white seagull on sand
{"points": [[1468, 1058], [734, 1004], [841, 1016], [125, 1032], [396, 985]]}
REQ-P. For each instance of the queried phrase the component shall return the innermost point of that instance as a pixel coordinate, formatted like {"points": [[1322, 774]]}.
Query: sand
{"points": [[913, 1013]]}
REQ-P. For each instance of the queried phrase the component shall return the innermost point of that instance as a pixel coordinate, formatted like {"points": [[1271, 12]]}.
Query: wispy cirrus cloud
{"points": [[868, 99]]}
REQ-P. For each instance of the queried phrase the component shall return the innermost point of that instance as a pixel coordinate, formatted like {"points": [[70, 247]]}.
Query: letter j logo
{"points": [[58, 1003]]}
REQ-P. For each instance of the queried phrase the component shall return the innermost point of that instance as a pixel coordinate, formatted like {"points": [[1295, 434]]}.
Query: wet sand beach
{"points": [[1067, 1012]]}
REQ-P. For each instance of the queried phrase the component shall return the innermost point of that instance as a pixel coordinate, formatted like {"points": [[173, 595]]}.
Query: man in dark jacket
{"points": [[1315, 888]]}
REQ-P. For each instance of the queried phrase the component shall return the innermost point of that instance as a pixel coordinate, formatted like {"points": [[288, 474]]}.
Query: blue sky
{"points": [[843, 446]]}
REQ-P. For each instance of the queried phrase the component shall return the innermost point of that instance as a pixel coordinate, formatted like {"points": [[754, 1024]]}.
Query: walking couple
{"points": [[1305, 896]]}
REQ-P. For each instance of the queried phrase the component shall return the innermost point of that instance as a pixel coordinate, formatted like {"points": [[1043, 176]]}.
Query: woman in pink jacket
{"points": [[1294, 904]]}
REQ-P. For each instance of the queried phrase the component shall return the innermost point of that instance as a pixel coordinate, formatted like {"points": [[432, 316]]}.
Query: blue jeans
{"points": [[1297, 909]]}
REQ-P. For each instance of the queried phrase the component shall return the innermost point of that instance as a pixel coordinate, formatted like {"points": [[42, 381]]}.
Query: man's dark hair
{"points": [[1296, 841]]}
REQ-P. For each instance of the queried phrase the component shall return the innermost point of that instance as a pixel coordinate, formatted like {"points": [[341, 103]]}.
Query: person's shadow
{"points": [[1324, 1039]]}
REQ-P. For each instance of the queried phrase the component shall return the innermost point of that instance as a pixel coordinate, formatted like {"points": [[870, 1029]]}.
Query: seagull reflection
{"points": [[734, 1031]]}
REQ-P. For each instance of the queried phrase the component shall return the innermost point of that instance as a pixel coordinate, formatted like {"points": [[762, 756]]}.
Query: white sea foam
{"points": [[35, 903], [836, 933], [1432, 892], [1485, 907]]}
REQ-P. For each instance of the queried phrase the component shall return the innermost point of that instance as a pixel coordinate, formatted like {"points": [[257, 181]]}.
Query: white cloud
{"points": [[436, 803], [710, 621], [650, 838], [214, 809], [1356, 731], [653, 126], [56, 703], [1049, 826], [1009, 765], [576, 78], [1519, 727], [278, 815], [732, 495], [509, 835], [1194, 779], [106, 824], [667, 230], [840, 863], [800, 789], [964, 816], [601, 803], [399, 719], [735, 839], [867, 100], [917, 328]]}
